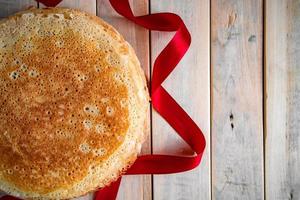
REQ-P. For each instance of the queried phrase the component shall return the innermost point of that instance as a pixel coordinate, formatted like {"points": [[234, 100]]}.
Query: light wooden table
{"points": [[240, 82]]}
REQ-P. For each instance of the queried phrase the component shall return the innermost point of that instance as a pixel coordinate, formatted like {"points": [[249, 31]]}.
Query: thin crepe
{"points": [[74, 102]]}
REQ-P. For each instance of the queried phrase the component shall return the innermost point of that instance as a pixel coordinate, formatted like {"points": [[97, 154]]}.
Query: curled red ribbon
{"points": [[162, 102]]}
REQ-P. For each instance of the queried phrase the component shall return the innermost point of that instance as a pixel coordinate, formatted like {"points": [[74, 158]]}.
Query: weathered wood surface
{"points": [[132, 187], [282, 70], [9, 7], [237, 100], [83, 5], [197, 182], [189, 85], [237, 104]]}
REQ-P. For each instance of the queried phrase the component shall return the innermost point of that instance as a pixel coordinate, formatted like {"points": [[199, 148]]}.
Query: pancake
{"points": [[73, 104]]}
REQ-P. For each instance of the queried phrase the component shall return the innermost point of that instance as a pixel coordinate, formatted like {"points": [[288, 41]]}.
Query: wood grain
{"points": [[237, 101], [132, 187], [282, 54], [84, 5], [9, 7], [189, 85]]}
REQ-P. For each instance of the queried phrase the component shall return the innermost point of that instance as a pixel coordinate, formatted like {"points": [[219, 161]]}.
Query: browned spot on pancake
{"points": [[53, 104]]}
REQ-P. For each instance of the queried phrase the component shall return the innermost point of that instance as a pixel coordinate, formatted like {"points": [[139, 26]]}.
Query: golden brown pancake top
{"points": [[63, 103]]}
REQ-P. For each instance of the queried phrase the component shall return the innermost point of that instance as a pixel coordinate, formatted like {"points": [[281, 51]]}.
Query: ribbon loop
{"points": [[162, 102]]}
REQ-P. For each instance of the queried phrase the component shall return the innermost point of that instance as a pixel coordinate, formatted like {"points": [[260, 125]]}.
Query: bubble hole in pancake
{"points": [[73, 104]]}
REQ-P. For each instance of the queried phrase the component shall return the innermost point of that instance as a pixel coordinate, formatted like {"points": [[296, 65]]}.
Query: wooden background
{"points": [[240, 82]]}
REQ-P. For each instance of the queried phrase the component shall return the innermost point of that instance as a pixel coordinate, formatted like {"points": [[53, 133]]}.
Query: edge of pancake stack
{"points": [[73, 104]]}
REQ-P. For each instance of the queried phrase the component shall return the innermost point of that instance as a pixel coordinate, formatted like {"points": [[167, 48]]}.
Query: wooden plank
{"points": [[88, 6], [9, 7], [132, 187], [84, 5], [282, 55], [189, 85], [237, 88]]}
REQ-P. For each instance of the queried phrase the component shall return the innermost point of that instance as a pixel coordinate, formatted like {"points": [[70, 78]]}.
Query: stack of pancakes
{"points": [[73, 104]]}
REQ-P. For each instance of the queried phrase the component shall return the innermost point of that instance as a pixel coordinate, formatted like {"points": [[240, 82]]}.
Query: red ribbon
{"points": [[162, 102]]}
